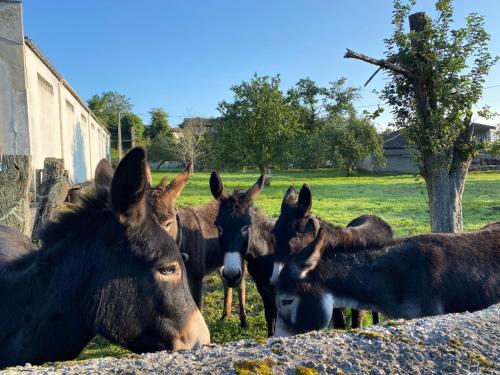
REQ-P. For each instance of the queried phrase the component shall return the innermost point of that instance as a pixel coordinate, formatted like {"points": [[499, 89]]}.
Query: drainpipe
{"points": [[61, 122]]}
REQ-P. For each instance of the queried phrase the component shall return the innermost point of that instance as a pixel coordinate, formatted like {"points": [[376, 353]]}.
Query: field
{"points": [[398, 199]]}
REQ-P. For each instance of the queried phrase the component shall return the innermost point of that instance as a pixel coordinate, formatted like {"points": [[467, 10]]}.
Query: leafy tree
{"points": [[436, 76], [162, 148], [133, 128], [256, 127], [315, 105], [352, 140], [107, 105], [159, 123]]}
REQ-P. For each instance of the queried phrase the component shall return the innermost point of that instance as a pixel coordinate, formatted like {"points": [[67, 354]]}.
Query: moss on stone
{"points": [[301, 370], [372, 335], [456, 343], [261, 340], [479, 358], [253, 367]]}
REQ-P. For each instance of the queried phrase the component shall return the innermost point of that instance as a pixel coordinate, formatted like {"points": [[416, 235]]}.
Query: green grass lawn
{"points": [[399, 199]]}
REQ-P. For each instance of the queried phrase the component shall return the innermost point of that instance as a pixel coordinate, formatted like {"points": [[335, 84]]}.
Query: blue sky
{"points": [[185, 55]]}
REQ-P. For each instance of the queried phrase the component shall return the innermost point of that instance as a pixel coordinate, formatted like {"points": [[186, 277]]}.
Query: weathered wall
{"points": [[62, 126], [40, 114], [14, 129], [394, 164]]}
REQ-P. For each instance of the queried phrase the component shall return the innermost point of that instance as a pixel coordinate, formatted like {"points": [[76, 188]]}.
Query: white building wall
{"points": [[40, 114], [43, 103], [59, 122]]}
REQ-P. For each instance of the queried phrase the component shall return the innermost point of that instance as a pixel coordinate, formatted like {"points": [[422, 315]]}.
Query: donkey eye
{"points": [[244, 230], [168, 270], [286, 302], [168, 224]]}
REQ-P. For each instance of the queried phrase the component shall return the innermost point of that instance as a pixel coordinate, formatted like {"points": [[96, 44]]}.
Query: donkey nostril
{"points": [[286, 302]]}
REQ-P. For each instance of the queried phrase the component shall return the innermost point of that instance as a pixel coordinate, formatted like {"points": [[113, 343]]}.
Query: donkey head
{"points": [[303, 303], [163, 198], [139, 292], [234, 223], [290, 228]]}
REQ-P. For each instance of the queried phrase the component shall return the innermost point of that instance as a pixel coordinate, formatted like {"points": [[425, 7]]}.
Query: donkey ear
{"points": [[310, 228], [255, 190], [309, 257], [103, 178], [174, 189], [128, 187], [216, 186], [305, 199], [289, 198]]}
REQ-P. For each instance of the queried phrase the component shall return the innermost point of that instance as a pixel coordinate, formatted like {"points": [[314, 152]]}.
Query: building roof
{"points": [[396, 140], [478, 126], [31, 44]]}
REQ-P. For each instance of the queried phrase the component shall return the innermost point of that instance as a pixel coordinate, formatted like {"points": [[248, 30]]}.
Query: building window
{"points": [[70, 106], [83, 120], [45, 85]]}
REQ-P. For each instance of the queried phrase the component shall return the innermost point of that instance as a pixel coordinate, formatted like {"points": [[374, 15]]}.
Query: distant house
{"points": [[204, 121], [399, 156]]}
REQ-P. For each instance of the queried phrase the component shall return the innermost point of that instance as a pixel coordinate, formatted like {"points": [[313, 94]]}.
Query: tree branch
{"points": [[373, 75], [384, 64]]}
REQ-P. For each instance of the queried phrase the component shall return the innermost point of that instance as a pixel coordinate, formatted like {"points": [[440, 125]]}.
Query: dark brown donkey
{"points": [[105, 268], [424, 275], [290, 231], [197, 236], [245, 234]]}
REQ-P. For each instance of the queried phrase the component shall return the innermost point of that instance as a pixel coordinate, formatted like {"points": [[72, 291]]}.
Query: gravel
{"points": [[454, 343]]}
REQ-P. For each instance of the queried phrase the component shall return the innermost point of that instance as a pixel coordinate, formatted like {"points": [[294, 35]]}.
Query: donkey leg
{"points": [[242, 303], [338, 319], [228, 302], [375, 317], [269, 309], [357, 318]]}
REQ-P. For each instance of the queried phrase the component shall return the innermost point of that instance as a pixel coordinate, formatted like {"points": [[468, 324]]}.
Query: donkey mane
{"points": [[81, 225]]}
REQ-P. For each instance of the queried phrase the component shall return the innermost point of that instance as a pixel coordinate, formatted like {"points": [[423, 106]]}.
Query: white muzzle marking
{"points": [[232, 263], [280, 330], [277, 267]]}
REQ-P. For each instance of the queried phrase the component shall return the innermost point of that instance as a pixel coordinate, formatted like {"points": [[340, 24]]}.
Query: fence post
{"points": [[53, 192], [15, 180]]}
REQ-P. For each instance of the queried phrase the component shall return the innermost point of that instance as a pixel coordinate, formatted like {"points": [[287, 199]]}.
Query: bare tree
{"points": [[189, 146]]}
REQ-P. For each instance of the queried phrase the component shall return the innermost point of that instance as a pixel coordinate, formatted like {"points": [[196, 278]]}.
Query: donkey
{"points": [[245, 235], [361, 233], [429, 274], [105, 268], [196, 234]]}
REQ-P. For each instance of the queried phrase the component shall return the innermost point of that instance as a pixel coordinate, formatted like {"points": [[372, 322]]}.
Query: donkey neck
{"points": [[261, 242], [42, 308], [199, 222]]}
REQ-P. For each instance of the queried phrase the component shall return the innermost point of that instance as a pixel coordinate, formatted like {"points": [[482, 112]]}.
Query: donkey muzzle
{"points": [[194, 333]]}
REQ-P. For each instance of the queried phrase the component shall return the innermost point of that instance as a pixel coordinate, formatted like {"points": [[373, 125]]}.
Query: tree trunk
{"points": [[445, 189], [53, 192], [15, 181]]}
